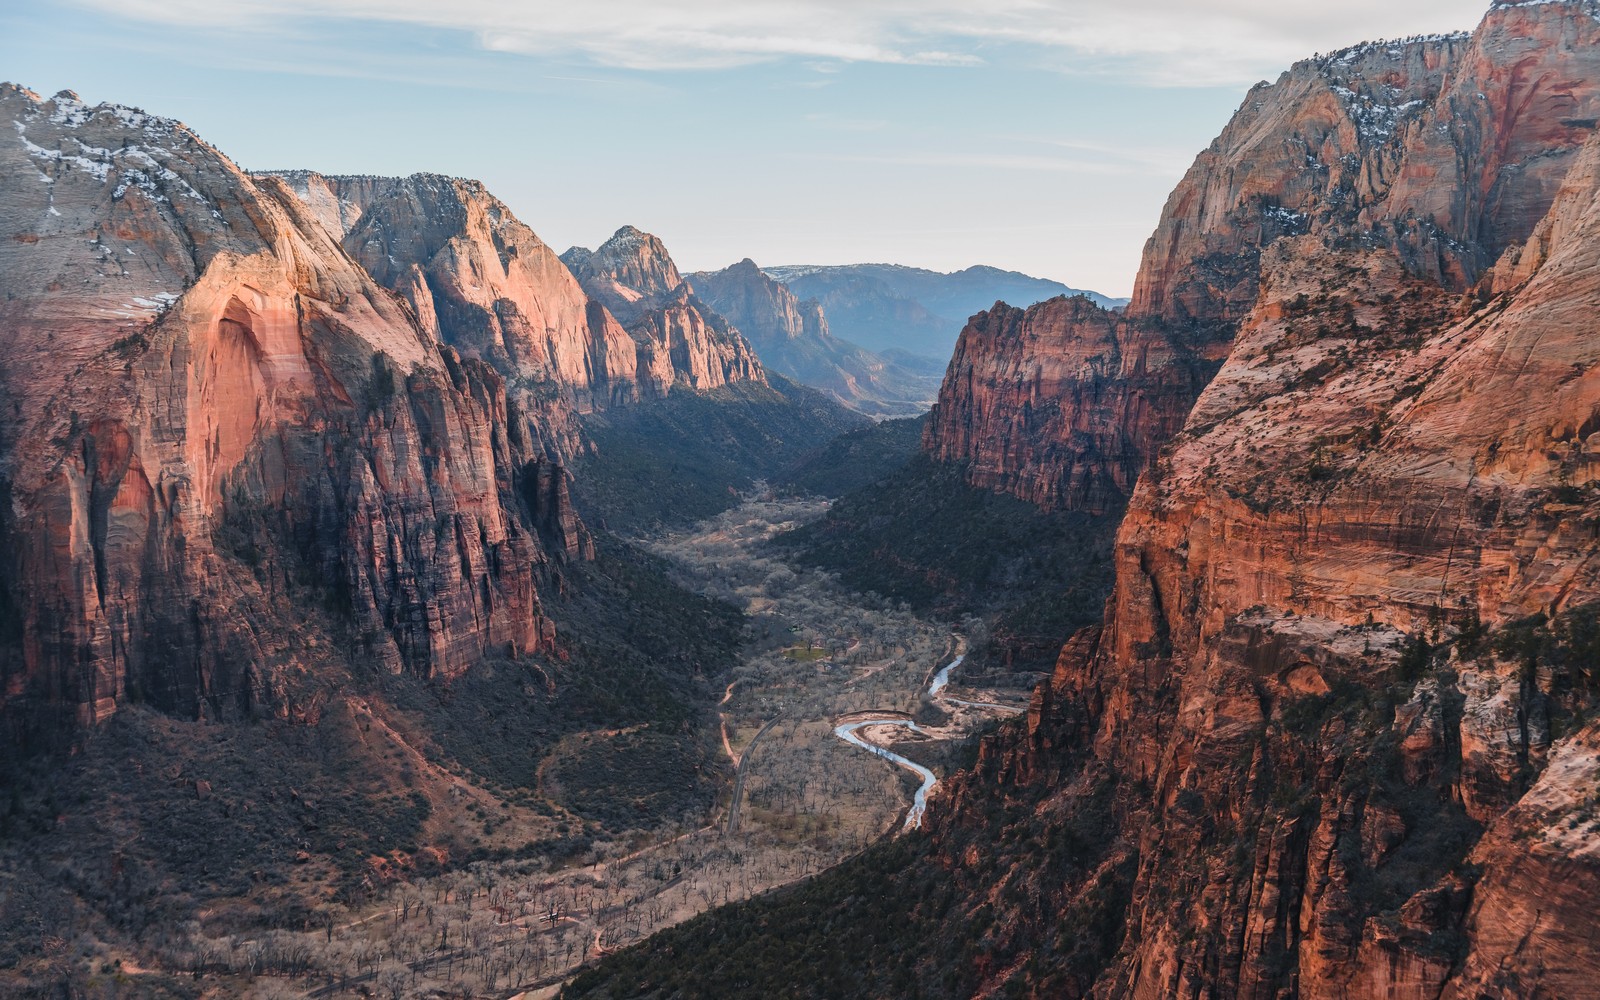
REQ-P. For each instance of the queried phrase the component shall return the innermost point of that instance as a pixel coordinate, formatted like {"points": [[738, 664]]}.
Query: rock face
{"points": [[679, 338], [792, 338], [208, 398], [483, 282], [1446, 150], [1334, 755], [1061, 404]]}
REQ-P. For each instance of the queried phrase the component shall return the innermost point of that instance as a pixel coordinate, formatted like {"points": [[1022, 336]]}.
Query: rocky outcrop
{"points": [[484, 283], [1338, 722], [763, 310], [213, 412], [679, 338], [792, 338], [1445, 150], [1062, 403]]}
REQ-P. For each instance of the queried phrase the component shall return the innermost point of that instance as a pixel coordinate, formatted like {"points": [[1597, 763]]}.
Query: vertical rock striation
{"points": [[213, 410], [1338, 723], [1446, 150], [680, 340]]}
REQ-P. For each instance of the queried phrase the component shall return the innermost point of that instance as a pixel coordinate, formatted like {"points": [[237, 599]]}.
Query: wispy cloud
{"points": [[1173, 42], [1160, 160]]}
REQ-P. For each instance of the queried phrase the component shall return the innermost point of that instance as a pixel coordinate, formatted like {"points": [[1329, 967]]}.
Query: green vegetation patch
{"points": [[857, 459], [634, 650], [805, 654], [852, 932], [628, 778], [924, 536], [685, 458]]}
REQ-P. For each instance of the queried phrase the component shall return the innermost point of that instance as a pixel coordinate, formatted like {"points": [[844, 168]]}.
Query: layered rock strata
{"points": [[1339, 719], [212, 410], [1445, 150]]}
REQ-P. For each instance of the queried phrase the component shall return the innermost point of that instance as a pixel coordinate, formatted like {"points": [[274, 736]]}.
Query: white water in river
{"points": [[847, 732], [919, 804], [943, 677]]}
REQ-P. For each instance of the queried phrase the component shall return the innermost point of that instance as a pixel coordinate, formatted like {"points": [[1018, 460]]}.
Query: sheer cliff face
{"points": [[763, 310], [1305, 802], [1062, 403], [1444, 150], [679, 339], [482, 282], [208, 398]]}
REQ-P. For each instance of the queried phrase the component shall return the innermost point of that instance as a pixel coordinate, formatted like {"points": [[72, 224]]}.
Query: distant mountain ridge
{"points": [[793, 337], [887, 307]]}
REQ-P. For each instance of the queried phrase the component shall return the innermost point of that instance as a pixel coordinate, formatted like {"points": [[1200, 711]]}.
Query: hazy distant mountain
{"points": [[792, 336], [889, 306]]}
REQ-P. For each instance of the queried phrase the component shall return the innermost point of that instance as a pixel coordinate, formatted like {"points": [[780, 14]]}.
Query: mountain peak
{"points": [[632, 259]]}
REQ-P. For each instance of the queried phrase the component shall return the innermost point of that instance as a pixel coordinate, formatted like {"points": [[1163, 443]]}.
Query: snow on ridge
{"points": [[627, 242], [135, 167], [1394, 47], [69, 111], [99, 169], [141, 160]]}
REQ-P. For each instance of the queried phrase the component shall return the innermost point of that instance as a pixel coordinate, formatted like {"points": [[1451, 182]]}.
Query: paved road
{"points": [[738, 782]]}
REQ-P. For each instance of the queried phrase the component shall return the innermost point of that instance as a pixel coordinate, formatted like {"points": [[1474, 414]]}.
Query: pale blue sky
{"points": [[1040, 135]]}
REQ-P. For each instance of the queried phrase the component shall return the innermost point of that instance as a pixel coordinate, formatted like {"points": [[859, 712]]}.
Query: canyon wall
{"points": [[1338, 723], [213, 412], [1446, 150]]}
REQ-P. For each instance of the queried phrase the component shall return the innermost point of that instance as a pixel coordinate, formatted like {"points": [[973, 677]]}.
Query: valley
{"points": [[391, 606], [823, 675]]}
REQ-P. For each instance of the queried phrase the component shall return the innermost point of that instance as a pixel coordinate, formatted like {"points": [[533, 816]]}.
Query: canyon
{"points": [[1334, 736], [350, 523]]}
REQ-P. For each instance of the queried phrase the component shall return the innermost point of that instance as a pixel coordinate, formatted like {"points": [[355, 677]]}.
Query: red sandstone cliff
{"points": [[482, 281], [207, 398], [1335, 755], [1445, 150], [679, 338]]}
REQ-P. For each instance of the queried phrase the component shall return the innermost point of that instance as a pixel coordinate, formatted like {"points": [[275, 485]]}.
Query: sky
{"points": [[1037, 135]]}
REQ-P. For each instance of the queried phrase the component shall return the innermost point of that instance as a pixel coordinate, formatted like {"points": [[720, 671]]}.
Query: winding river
{"points": [[943, 677], [847, 732]]}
